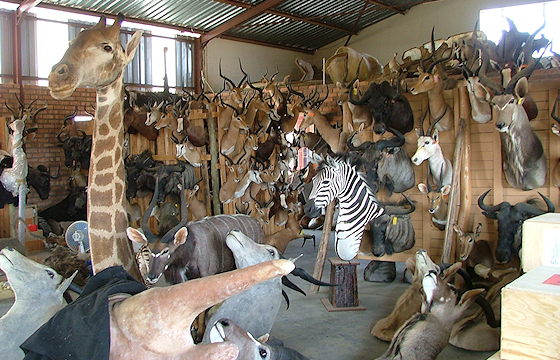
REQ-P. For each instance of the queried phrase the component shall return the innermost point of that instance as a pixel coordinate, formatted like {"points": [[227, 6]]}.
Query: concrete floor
{"points": [[318, 334]]}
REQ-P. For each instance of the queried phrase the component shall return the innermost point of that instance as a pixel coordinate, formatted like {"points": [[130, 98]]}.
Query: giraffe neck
{"points": [[107, 218]]}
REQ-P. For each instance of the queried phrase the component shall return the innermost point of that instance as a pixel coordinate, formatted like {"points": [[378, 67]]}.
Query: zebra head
{"points": [[326, 186], [339, 178]]}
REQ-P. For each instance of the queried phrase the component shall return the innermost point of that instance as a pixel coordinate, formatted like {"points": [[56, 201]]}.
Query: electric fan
{"points": [[77, 237]]}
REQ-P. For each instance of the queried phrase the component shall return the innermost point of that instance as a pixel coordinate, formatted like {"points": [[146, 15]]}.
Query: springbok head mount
{"points": [[427, 143]]}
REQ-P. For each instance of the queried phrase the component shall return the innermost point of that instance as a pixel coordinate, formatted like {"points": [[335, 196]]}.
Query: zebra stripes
{"points": [[358, 205]]}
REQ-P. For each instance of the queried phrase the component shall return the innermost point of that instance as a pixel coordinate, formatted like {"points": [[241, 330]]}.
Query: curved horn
{"points": [[223, 77], [549, 203], [54, 176], [144, 222], [245, 75], [397, 141], [486, 208], [399, 209], [432, 53], [363, 146], [227, 157], [185, 216]]}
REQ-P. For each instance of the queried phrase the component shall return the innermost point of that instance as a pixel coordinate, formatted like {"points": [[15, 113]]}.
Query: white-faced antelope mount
{"points": [[429, 148]]}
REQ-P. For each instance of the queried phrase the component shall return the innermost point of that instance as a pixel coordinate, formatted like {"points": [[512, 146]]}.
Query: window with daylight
{"points": [[527, 18], [162, 53]]}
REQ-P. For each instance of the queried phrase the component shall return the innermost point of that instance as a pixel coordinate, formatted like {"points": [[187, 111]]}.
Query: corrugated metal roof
{"points": [[304, 25]]}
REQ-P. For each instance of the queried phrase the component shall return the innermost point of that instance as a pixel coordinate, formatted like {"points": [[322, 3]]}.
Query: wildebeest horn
{"points": [[53, 176], [486, 208], [534, 210], [397, 141], [398, 209]]}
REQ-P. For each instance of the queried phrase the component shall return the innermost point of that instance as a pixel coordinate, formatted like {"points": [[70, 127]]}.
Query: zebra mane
{"points": [[352, 159]]}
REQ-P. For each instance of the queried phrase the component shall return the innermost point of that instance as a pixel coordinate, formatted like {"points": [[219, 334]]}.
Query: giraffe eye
{"points": [[107, 48]]}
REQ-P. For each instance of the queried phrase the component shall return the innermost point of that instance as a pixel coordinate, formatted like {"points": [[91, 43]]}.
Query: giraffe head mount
{"points": [[94, 58]]}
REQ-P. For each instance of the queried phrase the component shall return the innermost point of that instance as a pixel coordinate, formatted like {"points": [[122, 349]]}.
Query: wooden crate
{"points": [[531, 316], [541, 241]]}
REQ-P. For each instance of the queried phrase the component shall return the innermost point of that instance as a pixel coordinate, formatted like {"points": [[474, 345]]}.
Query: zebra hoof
{"points": [[380, 271]]}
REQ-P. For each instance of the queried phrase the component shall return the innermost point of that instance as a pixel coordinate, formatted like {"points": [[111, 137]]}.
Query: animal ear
{"points": [[417, 132], [264, 338], [423, 188], [362, 127], [446, 190], [350, 128], [411, 265], [436, 135], [478, 229], [180, 236], [521, 88], [136, 235], [132, 45]]}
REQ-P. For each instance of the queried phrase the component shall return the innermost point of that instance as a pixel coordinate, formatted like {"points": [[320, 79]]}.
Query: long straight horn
{"points": [[422, 123], [173, 309]]}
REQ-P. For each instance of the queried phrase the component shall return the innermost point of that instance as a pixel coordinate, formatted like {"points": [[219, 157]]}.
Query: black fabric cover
{"points": [[81, 329]]}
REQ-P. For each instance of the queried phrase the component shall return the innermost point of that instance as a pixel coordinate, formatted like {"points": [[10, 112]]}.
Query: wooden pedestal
{"points": [[344, 296]]}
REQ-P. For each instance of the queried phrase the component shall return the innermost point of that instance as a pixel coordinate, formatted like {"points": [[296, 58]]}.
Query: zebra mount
{"points": [[344, 296]]}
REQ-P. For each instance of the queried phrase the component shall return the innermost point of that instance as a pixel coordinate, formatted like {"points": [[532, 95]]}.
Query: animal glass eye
{"points": [[50, 273], [107, 48], [263, 353], [426, 143]]}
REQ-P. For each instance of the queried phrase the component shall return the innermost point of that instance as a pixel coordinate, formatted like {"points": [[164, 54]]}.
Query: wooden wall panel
{"points": [[485, 153]]}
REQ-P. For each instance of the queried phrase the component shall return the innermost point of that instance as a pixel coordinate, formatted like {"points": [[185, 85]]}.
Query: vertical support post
{"points": [[323, 246], [214, 161]]}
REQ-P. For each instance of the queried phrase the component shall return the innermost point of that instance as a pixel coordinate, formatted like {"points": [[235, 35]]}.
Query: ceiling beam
{"points": [[388, 7], [291, 16], [263, 43], [24, 7], [239, 19]]}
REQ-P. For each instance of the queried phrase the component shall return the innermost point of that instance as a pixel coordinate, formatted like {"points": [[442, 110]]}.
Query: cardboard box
{"points": [[531, 316], [541, 241]]}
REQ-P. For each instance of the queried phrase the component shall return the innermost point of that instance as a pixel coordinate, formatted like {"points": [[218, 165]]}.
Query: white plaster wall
{"points": [[402, 32], [393, 35], [254, 58]]}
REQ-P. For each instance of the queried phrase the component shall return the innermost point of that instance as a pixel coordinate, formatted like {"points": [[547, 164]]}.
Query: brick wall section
{"points": [[45, 149]]}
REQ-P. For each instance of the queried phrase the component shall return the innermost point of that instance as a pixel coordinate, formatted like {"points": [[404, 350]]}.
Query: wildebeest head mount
{"points": [[510, 220]]}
